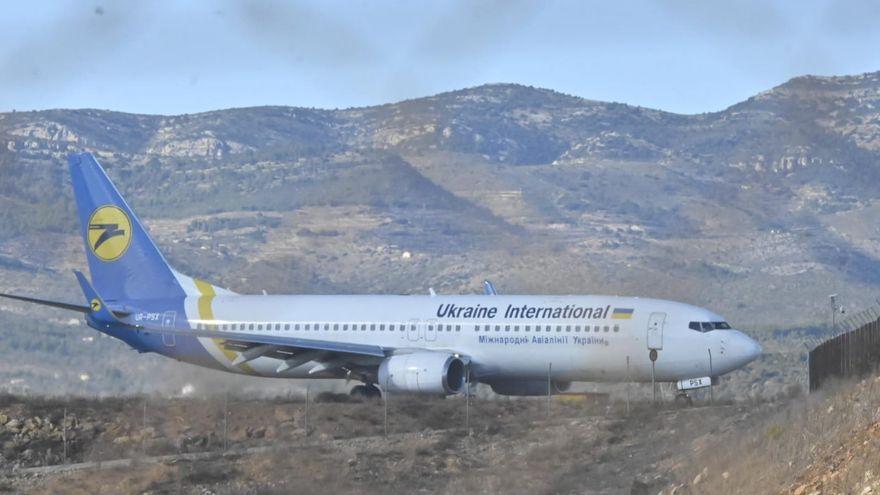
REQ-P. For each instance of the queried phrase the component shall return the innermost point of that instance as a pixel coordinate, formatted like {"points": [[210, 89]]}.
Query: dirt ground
{"points": [[585, 445]]}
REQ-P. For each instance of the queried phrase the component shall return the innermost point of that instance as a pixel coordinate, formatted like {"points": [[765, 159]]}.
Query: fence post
{"points": [[467, 400], [628, 385], [711, 393], [308, 389], [225, 419], [549, 387]]}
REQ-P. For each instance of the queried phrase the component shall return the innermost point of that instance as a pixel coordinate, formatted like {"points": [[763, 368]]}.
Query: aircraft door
{"points": [[655, 330], [412, 330], [168, 322]]}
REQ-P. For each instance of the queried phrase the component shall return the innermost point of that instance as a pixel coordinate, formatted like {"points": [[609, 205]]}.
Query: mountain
{"points": [[758, 211]]}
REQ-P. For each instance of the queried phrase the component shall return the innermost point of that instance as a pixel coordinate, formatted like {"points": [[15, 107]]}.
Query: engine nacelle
{"points": [[423, 373], [528, 387]]}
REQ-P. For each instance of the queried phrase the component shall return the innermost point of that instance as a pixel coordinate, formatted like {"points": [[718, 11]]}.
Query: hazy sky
{"points": [[188, 56]]}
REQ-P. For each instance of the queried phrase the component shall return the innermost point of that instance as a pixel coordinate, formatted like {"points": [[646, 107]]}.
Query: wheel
{"points": [[360, 392], [365, 392], [373, 392], [684, 400]]}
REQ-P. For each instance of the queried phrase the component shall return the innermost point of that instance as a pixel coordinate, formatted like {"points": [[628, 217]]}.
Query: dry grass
{"points": [[829, 434]]}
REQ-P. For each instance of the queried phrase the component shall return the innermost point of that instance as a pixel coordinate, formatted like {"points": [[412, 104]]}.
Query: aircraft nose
{"points": [[746, 349]]}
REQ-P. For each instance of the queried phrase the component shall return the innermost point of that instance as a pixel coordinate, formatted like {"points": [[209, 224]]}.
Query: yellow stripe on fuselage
{"points": [[206, 313]]}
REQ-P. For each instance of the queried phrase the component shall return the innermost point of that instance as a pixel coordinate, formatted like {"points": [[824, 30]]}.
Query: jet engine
{"points": [[528, 387], [423, 373]]}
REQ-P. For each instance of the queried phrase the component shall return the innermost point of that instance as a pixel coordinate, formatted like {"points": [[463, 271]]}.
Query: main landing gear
{"points": [[682, 399], [365, 392]]}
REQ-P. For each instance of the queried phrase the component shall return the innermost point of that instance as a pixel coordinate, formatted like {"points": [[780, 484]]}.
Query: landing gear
{"points": [[682, 399], [365, 392]]}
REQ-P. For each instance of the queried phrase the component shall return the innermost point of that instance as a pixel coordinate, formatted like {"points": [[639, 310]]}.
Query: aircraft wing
{"points": [[287, 342]]}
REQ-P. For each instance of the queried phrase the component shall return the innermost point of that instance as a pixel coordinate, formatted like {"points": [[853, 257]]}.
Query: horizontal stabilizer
{"points": [[44, 302], [98, 308]]}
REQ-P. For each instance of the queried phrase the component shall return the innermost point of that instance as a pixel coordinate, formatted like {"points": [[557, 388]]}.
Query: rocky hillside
{"points": [[758, 211]]}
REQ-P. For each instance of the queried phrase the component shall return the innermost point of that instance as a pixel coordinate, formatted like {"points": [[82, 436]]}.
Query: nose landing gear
{"points": [[682, 399], [366, 392]]}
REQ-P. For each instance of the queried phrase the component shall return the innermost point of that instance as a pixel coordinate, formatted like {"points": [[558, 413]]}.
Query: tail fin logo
{"points": [[109, 233]]}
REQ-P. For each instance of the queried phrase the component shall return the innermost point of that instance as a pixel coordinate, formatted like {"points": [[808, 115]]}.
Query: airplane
{"points": [[521, 345]]}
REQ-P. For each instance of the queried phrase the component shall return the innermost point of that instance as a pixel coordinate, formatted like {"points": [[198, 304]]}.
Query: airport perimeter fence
{"points": [[853, 353]]}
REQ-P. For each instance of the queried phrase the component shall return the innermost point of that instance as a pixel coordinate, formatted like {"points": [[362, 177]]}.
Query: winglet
{"points": [[489, 288], [99, 309]]}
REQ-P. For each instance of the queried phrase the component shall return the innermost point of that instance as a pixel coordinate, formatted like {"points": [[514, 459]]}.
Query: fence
{"points": [[853, 353]]}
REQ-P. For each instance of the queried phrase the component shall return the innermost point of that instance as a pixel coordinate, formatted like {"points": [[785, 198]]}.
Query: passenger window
{"points": [[327, 327], [577, 328], [528, 328], [373, 327], [606, 329], [568, 328], [345, 327], [548, 328], [287, 326], [382, 328], [558, 328], [506, 328], [616, 328]]}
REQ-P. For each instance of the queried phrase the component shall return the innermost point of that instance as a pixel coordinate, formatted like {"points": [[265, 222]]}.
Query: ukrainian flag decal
{"points": [[621, 313]]}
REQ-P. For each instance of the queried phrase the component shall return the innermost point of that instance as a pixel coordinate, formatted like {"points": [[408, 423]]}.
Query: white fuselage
{"points": [[601, 342]]}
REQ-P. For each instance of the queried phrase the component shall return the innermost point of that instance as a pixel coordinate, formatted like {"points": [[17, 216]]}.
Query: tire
{"points": [[373, 392], [360, 392], [683, 400]]}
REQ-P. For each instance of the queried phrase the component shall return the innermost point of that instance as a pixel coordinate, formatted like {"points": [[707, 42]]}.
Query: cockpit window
{"points": [[708, 326]]}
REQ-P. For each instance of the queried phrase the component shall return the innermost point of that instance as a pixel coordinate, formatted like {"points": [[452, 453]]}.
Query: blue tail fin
{"points": [[124, 262]]}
